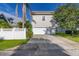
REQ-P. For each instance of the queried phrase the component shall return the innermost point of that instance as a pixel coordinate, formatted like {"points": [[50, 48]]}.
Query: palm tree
{"points": [[16, 11], [24, 14]]}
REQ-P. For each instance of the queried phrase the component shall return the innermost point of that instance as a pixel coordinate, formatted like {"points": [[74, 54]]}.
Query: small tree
{"points": [[67, 17]]}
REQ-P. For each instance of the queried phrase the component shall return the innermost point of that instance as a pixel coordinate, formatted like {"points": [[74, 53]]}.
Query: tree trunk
{"points": [[16, 11], [24, 14]]}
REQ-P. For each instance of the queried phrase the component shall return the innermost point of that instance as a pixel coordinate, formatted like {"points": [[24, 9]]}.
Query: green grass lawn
{"points": [[5, 44], [73, 38]]}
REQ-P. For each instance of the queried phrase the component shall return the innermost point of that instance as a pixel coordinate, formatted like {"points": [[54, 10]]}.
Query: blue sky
{"points": [[10, 7], [45, 6]]}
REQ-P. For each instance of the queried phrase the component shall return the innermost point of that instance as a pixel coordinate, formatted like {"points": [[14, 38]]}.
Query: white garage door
{"points": [[42, 31], [39, 30]]}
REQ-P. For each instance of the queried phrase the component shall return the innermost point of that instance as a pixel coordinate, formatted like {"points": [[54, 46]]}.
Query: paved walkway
{"points": [[46, 45]]}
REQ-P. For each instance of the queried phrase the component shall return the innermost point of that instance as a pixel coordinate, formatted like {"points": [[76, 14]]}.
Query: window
{"points": [[43, 18]]}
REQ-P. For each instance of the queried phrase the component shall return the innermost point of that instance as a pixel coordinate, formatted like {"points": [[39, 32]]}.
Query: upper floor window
{"points": [[43, 18]]}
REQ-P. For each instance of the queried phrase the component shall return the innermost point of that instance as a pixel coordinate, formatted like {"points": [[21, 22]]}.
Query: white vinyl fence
{"points": [[12, 33]]}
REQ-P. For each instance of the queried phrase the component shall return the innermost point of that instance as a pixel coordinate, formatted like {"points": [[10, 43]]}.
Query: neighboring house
{"points": [[43, 22], [11, 19]]}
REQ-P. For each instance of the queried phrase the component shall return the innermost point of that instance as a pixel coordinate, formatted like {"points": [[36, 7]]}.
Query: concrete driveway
{"points": [[46, 45]]}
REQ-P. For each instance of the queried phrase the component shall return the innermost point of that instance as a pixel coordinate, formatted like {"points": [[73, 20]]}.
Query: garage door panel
{"points": [[43, 31], [39, 30]]}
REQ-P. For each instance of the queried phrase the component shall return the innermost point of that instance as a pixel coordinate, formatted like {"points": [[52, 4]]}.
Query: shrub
{"points": [[68, 32], [28, 24], [19, 24], [76, 32], [29, 32]]}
